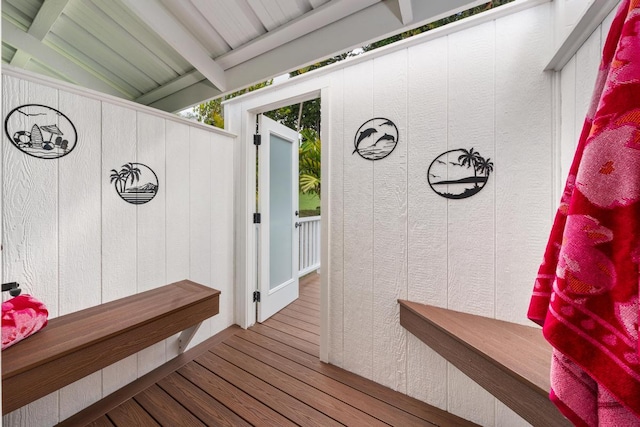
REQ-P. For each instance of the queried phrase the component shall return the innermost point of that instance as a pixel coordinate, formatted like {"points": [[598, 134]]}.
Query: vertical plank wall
{"points": [[577, 80], [71, 241], [393, 237]]}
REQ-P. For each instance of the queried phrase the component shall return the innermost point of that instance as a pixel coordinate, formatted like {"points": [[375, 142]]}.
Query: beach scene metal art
{"points": [[135, 183], [459, 173], [40, 131]]}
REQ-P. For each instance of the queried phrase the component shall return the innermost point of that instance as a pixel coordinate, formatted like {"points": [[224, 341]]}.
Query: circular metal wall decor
{"points": [[459, 173], [136, 183], [376, 139], [40, 131]]}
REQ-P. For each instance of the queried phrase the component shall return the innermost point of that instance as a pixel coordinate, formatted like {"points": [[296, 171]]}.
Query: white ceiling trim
{"points": [[406, 11], [312, 21], [46, 55], [164, 24], [587, 24]]}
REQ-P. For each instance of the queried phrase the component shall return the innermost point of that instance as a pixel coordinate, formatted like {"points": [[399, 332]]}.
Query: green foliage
{"points": [[288, 115], [309, 162], [211, 113]]}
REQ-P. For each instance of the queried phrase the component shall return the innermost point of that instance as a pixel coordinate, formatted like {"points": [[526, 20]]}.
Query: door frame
{"points": [[240, 115]]}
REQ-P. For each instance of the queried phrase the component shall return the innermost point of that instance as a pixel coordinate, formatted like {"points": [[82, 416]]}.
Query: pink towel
{"points": [[22, 316], [586, 293]]}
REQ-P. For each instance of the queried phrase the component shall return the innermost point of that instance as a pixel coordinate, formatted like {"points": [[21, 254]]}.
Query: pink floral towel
{"points": [[22, 316], [586, 293]]}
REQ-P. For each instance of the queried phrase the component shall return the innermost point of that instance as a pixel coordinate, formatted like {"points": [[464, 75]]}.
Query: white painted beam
{"points": [[41, 25], [46, 17], [15, 37], [312, 21], [590, 20], [166, 26], [406, 11], [20, 59]]}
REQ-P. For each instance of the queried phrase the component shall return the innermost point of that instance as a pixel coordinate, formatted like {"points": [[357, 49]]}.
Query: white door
{"points": [[278, 206]]}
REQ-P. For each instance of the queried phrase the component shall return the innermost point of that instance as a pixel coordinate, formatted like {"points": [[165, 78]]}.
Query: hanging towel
{"points": [[586, 293], [22, 317]]}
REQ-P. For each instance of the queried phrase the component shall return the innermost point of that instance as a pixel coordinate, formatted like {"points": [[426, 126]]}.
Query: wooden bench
{"points": [[508, 360], [75, 345]]}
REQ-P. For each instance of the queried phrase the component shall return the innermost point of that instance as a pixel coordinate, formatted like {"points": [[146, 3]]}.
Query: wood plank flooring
{"points": [[268, 375]]}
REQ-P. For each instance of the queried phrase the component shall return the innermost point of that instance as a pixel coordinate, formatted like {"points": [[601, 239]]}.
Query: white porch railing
{"points": [[309, 242]]}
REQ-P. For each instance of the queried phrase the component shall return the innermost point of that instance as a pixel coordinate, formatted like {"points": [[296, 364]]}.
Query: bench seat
{"points": [[75, 345]]}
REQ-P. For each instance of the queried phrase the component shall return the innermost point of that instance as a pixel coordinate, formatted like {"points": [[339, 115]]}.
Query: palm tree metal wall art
{"points": [[135, 183], [450, 176], [40, 131], [376, 139]]}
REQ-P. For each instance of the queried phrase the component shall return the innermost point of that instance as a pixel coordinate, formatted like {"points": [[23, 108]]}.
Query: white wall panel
{"points": [[427, 221], [358, 224], [119, 229], [200, 217], [30, 224], [335, 265], [471, 124], [523, 205], [390, 225], [177, 207], [151, 219], [70, 240], [80, 269], [221, 208]]}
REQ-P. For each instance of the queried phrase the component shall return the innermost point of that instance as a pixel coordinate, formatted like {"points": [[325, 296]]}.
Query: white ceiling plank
{"points": [[163, 23], [317, 3], [20, 59], [46, 17], [34, 47], [312, 21], [406, 11]]}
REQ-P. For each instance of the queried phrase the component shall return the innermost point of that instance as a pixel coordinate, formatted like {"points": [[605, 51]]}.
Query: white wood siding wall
{"points": [[392, 237], [577, 80], [70, 240]]}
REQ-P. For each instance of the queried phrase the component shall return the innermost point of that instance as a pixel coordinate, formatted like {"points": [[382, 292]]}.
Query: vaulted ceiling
{"points": [[171, 54]]}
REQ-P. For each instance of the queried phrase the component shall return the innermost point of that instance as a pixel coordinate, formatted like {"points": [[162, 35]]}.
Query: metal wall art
{"points": [[40, 131], [376, 139], [135, 183], [460, 173]]}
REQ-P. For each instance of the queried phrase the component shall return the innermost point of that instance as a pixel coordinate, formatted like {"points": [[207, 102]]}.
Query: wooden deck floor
{"points": [[268, 375]]}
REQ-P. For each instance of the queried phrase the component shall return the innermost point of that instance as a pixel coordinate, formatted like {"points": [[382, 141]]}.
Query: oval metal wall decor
{"points": [[376, 139], [135, 183], [40, 131], [459, 173]]}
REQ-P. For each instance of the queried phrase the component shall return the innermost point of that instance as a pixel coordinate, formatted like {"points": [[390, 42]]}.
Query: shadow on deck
{"points": [[268, 375]]}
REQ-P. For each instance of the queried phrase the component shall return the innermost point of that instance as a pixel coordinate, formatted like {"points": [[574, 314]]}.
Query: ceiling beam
{"points": [[17, 38], [406, 11], [307, 23], [166, 26], [372, 23], [46, 17]]}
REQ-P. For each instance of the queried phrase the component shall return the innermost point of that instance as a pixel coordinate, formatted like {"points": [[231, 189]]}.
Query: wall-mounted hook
{"points": [[12, 287]]}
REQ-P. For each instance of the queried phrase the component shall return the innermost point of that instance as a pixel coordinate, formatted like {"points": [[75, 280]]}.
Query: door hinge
{"points": [[256, 296], [256, 218], [257, 139]]}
